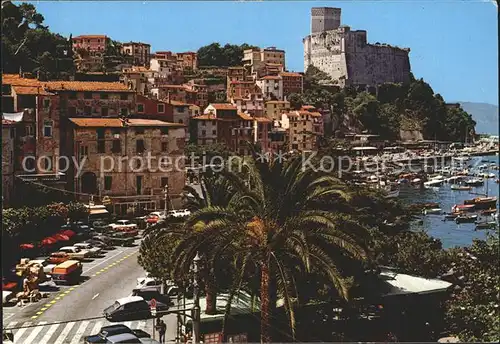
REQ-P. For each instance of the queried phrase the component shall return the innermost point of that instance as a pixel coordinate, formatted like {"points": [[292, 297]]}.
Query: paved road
{"points": [[74, 312]]}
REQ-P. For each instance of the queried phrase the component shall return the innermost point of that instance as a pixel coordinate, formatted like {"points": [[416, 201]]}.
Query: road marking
{"points": [[105, 260], [67, 292], [38, 313], [98, 272], [128, 324], [52, 302], [49, 334], [48, 305], [12, 324], [141, 325], [97, 328], [34, 333], [19, 333], [72, 288], [44, 308], [79, 332], [34, 317], [96, 295], [64, 333]]}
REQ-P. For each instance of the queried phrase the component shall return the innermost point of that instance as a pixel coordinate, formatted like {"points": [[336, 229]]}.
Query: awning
{"points": [[61, 237], [26, 246], [49, 241], [15, 117], [364, 148], [98, 211], [68, 232]]}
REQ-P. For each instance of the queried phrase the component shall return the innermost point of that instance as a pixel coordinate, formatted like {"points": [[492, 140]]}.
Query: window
{"points": [[84, 151], [214, 123], [47, 163], [203, 132], [104, 96], [180, 110], [124, 111], [295, 124], [161, 108], [203, 123], [214, 132], [181, 121], [46, 103], [140, 108], [87, 110], [47, 128], [72, 95], [104, 111], [72, 111], [117, 146], [108, 181], [139, 146], [29, 130], [164, 146], [139, 131], [124, 96], [163, 181], [87, 95], [164, 130]]}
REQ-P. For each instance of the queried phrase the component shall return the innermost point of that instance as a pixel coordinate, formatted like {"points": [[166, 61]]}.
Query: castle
{"points": [[346, 56]]}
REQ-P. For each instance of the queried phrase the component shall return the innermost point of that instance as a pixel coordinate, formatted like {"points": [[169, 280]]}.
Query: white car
{"points": [[143, 282], [178, 213], [123, 224], [94, 251], [75, 252], [7, 296], [159, 214]]}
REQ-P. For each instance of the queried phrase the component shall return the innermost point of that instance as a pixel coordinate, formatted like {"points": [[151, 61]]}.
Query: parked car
{"points": [[122, 239], [149, 294], [101, 244], [75, 252], [141, 334], [131, 308], [69, 271], [7, 296], [58, 257], [123, 338], [107, 331], [100, 226], [45, 263], [120, 224], [94, 251], [147, 282]]}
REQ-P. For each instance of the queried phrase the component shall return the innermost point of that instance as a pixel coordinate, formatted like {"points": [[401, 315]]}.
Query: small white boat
{"points": [[432, 211], [474, 182], [392, 194], [434, 183]]}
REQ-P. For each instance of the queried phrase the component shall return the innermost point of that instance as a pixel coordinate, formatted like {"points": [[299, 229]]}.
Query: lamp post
{"points": [[166, 199], [196, 307]]}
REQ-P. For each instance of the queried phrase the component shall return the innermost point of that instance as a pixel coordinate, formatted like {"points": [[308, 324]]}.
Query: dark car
{"points": [[107, 331], [101, 244], [148, 295], [121, 239], [141, 334], [131, 308]]}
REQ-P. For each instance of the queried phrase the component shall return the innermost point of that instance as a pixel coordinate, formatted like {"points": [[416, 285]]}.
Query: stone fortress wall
{"points": [[346, 56]]}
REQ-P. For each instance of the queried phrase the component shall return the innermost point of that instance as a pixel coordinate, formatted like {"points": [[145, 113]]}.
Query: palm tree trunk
{"points": [[264, 303], [211, 295]]}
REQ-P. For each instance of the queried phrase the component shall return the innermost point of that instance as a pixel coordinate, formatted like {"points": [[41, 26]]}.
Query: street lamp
{"points": [[166, 198], [196, 307]]}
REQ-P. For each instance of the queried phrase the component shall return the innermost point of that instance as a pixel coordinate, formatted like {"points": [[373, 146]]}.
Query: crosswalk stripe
{"points": [[128, 324], [19, 333], [80, 332], [49, 334], [141, 325], [96, 328], [36, 330], [11, 324], [64, 333]]}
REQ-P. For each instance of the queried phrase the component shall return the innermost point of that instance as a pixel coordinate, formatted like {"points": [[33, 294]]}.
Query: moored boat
{"points": [[482, 203], [466, 218], [432, 211], [460, 187], [488, 211], [451, 216], [434, 183], [486, 225], [462, 207], [474, 182]]}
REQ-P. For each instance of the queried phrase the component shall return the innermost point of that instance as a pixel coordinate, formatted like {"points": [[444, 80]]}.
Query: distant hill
{"points": [[485, 115]]}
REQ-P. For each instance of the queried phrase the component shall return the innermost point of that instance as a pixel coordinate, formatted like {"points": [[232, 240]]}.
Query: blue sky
{"points": [[453, 43]]}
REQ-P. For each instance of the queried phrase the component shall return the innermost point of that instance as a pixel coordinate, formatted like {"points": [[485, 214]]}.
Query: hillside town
{"points": [[112, 179]]}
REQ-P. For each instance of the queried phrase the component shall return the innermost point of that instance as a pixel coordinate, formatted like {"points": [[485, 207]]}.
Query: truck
{"points": [[69, 271]]}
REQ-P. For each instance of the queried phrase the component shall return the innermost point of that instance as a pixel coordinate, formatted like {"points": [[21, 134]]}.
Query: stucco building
{"points": [[138, 53], [347, 57], [255, 60], [126, 160], [274, 108], [90, 51], [292, 83], [271, 86]]}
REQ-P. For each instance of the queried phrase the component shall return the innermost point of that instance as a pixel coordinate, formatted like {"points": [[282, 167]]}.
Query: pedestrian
{"points": [[162, 331]]}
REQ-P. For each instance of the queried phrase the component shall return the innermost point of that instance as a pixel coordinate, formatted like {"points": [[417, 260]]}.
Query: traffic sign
{"points": [[152, 305]]}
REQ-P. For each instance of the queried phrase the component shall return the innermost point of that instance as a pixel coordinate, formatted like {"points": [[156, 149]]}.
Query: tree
{"points": [[227, 56], [274, 235]]}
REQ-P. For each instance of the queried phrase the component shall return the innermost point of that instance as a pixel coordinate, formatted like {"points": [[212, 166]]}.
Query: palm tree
{"points": [[272, 229]]}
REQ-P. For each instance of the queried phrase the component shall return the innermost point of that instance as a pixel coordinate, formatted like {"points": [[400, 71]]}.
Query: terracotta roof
{"points": [[277, 101], [176, 103], [171, 86], [245, 117], [223, 106], [15, 80], [205, 117], [90, 36], [308, 107], [242, 82], [118, 123], [292, 114], [270, 77], [312, 114], [262, 119], [31, 90], [273, 64], [290, 74]]}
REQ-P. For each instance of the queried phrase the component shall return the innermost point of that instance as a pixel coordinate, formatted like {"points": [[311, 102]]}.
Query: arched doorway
{"points": [[89, 183]]}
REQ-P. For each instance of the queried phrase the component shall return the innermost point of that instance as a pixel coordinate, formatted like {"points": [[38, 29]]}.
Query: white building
{"points": [[271, 86]]}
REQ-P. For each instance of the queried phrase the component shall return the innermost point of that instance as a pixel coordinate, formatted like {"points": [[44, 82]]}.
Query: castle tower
{"points": [[324, 19]]}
